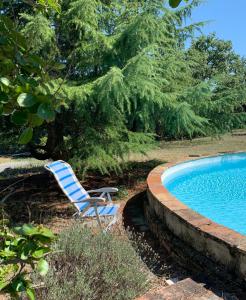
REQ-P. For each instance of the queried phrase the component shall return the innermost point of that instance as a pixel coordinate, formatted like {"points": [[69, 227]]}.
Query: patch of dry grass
{"points": [[178, 150], [4, 159]]}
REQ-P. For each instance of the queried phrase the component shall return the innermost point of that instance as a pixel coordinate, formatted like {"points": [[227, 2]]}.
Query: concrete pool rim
{"points": [[216, 241]]}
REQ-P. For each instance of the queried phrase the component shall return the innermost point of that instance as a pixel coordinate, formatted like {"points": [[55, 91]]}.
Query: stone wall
{"points": [[220, 246]]}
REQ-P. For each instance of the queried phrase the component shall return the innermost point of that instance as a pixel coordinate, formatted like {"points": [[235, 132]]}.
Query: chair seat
{"points": [[109, 210]]}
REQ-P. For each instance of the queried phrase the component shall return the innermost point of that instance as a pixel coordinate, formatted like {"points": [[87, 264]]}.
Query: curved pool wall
{"points": [[218, 243], [214, 187]]}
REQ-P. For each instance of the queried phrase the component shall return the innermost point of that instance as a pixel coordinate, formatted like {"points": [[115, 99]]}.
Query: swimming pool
{"points": [[214, 187]]}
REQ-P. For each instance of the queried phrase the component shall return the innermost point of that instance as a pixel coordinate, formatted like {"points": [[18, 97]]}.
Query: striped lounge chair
{"points": [[87, 206]]}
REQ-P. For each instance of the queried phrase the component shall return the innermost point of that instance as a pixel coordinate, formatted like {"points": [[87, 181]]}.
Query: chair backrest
{"points": [[69, 183]]}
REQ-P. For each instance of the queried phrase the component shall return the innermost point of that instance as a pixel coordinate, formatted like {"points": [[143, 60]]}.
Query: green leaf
{"points": [[35, 120], [30, 293], [47, 232], [33, 109], [40, 252], [3, 98], [3, 40], [20, 59], [42, 267], [26, 136], [52, 4], [19, 89], [46, 112], [174, 3], [8, 109], [58, 66], [3, 284], [26, 249], [19, 117], [26, 100], [58, 109], [7, 253], [26, 229], [30, 230], [32, 82], [24, 255], [19, 284], [1, 109], [4, 81]]}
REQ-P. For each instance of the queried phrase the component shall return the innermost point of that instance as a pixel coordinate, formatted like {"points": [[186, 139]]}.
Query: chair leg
{"points": [[98, 217], [75, 215], [115, 218], [109, 197]]}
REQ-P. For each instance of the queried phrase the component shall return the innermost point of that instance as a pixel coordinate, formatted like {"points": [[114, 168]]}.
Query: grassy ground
{"points": [[30, 160], [177, 150]]}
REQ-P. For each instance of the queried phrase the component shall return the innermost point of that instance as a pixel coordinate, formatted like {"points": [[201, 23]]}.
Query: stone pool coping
{"points": [[220, 243]]}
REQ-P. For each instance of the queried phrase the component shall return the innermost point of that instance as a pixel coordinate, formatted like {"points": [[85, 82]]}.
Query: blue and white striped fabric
{"points": [[109, 210], [75, 192], [69, 183]]}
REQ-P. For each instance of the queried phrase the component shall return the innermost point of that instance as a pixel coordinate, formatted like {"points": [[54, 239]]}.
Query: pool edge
{"points": [[221, 244]]}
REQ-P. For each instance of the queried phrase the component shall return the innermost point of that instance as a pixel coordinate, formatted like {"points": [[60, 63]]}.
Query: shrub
{"points": [[22, 249], [94, 266]]}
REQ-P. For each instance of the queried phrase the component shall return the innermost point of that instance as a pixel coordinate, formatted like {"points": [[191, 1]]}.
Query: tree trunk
{"points": [[54, 148]]}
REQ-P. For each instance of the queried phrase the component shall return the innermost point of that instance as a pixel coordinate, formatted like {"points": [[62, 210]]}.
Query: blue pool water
{"points": [[214, 187]]}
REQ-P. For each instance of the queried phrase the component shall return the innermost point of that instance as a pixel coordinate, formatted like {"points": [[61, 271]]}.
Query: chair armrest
{"points": [[104, 190], [93, 200]]}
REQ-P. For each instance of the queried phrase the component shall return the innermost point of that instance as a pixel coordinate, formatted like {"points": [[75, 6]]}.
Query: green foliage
{"points": [[21, 78], [175, 3], [23, 249], [9, 136], [26, 136], [39, 30], [94, 266], [214, 56], [45, 112], [53, 4], [220, 74], [181, 121], [102, 79]]}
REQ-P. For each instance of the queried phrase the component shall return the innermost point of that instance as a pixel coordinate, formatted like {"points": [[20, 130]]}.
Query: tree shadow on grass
{"points": [[33, 198], [36, 196], [133, 173], [9, 173]]}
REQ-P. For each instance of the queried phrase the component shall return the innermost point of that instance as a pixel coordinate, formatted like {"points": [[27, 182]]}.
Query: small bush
{"points": [[94, 266]]}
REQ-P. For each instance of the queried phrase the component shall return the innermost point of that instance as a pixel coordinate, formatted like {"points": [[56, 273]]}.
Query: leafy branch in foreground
{"points": [[23, 250], [21, 78], [175, 3]]}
